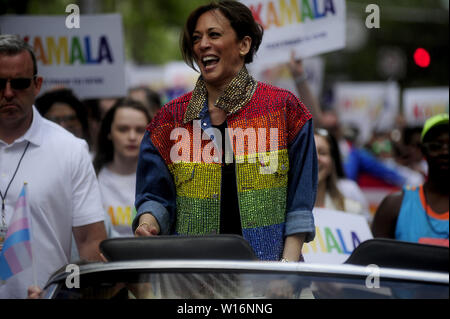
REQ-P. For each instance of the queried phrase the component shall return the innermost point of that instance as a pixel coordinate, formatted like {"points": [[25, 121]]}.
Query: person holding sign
{"points": [[62, 192], [420, 214], [260, 187]]}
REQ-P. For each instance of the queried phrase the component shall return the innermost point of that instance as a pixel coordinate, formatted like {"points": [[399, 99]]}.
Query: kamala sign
{"points": [[89, 59], [310, 27], [337, 235]]}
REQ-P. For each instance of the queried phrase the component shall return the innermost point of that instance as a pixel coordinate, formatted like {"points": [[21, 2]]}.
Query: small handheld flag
{"points": [[16, 254]]}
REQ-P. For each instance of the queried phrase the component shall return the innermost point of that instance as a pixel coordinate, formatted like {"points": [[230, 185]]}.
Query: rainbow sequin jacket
{"points": [[271, 138]]}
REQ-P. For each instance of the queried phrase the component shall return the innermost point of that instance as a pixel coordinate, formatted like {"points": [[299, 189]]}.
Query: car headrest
{"points": [[400, 254], [213, 247]]}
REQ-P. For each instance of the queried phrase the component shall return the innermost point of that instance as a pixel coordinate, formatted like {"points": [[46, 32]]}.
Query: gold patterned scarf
{"points": [[236, 95]]}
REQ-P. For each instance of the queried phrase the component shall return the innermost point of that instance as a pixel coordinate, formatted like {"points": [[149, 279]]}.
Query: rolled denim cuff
{"points": [[301, 222], [158, 211]]}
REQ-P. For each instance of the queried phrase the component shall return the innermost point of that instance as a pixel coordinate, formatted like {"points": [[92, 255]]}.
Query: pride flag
{"points": [[16, 253]]}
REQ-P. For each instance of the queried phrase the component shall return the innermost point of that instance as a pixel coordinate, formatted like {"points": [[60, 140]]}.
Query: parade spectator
{"points": [[147, 97], [356, 161], [336, 182], [63, 194], [420, 214], [387, 152], [329, 194], [268, 202], [64, 108], [116, 160], [413, 156]]}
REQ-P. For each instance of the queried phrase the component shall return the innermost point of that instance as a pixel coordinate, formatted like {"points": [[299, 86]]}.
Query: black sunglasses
{"points": [[17, 84]]}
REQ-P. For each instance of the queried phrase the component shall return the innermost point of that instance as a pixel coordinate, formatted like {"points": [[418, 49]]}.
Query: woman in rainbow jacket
{"points": [[234, 156]]}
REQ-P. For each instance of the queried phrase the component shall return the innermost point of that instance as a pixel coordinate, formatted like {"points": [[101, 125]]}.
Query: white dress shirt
{"points": [[62, 193]]}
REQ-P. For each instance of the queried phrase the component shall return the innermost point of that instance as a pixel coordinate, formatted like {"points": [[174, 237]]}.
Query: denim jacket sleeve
{"points": [[155, 189], [302, 184]]}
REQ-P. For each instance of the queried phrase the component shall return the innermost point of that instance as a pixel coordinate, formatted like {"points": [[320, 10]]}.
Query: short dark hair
{"points": [[105, 151], [66, 96], [12, 44], [152, 97], [409, 132], [241, 20]]}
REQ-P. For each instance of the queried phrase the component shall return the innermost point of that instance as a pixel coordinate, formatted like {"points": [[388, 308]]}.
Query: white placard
{"points": [[89, 60], [310, 27], [367, 106], [337, 235], [419, 104], [280, 75]]}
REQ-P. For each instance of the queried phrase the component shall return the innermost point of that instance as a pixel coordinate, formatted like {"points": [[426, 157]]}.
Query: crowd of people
{"points": [[107, 168]]}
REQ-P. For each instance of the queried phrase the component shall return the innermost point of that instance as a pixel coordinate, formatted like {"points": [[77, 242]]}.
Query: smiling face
{"points": [[16, 112], [324, 158], [127, 131], [217, 50]]}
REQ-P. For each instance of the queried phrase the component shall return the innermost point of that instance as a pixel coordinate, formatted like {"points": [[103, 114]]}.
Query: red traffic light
{"points": [[422, 58]]}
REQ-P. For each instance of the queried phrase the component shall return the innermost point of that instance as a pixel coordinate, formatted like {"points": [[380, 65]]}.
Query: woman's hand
{"points": [[148, 226], [34, 292], [296, 66]]}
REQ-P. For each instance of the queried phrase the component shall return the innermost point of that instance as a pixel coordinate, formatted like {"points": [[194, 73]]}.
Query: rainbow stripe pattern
{"points": [[261, 197], [16, 253]]}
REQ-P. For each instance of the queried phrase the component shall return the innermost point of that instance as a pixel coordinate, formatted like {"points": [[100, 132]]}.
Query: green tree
{"points": [[151, 28]]}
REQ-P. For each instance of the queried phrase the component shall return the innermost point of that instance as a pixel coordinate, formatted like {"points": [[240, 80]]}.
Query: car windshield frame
{"points": [[342, 274]]}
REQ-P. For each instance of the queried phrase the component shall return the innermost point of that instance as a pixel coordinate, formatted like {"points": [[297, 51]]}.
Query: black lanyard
{"points": [[7, 188]]}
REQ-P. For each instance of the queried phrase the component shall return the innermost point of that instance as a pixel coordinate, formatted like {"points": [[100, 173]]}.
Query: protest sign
{"points": [[89, 60], [367, 106], [419, 104], [170, 80], [310, 27], [280, 75], [337, 235]]}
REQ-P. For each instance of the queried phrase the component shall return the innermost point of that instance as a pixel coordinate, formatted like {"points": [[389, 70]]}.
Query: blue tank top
{"points": [[418, 223]]}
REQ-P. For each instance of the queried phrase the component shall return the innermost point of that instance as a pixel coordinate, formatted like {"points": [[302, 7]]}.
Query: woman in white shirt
{"points": [[329, 193], [119, 139]]}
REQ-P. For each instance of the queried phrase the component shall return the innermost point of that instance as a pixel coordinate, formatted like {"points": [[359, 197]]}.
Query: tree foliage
{"points": [[152, 30]]}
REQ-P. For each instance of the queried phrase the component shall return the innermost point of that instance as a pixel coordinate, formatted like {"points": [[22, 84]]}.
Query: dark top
{"points": [[230, 219]]}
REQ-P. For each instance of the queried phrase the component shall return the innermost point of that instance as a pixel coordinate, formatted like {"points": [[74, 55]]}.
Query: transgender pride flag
{"points": [[16, 253]]}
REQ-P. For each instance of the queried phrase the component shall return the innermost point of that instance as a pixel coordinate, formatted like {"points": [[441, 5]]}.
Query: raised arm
{"points": [[301, 83]]}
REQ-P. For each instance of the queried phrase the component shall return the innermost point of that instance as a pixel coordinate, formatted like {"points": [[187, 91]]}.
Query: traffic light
{"points": [[422, 58]]}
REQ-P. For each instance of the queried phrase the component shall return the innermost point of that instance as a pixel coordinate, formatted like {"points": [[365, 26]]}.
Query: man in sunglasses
{"points": [[62, 190], [420, 214]]}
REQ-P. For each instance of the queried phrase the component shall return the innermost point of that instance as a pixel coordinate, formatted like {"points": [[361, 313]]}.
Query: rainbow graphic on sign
{"points": [[279, 13], [71, 50]]}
